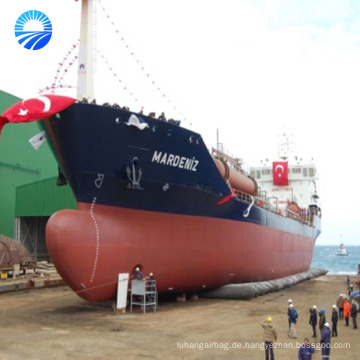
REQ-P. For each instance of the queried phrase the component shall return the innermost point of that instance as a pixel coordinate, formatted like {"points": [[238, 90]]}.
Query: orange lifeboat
{"points": [[294, 211], [237, 180], [294, 207]]}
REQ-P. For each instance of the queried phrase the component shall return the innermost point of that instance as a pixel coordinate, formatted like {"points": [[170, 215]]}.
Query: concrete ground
{"points": [[54, 323]]}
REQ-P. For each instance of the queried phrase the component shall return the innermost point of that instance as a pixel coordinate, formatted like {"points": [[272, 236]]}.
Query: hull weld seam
{"points": [[97, 239]]}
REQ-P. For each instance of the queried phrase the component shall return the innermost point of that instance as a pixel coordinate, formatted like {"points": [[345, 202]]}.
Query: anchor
{"points": [[134, 173]]}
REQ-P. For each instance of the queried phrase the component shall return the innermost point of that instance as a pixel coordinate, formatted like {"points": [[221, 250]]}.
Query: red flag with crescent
{"points": [[37, 108], [280, 173]]}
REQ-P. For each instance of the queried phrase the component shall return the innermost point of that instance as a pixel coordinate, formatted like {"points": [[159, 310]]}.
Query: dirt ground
{"points": [[57, 324]]}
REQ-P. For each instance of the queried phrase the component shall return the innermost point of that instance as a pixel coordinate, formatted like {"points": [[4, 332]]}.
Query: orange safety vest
{"points": [[346, 309]]}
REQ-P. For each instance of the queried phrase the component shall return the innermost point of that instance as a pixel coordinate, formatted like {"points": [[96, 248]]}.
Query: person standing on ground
{"points": [[340, 305], [353, 313], [306, 350], [269, 336], [313, 320], [350, 290], [288, 311], [293, 320], [322, 320], [346, 311], [334, 321], [325, 342]]}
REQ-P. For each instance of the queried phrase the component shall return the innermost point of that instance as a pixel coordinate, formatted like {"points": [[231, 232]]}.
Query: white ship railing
{"points": [[306, 217]]}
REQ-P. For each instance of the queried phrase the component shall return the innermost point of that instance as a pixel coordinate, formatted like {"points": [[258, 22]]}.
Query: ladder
{"points": [[144, 294]]}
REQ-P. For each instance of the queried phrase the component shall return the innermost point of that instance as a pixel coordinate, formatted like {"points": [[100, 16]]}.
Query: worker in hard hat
{"points": [[293, 320], [269, 336], [138, 275], [313, 319], [325, 342]]}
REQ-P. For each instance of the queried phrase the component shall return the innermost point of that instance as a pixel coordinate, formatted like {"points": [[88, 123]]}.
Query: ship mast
{"points": [[85, 82], [284, 147]]}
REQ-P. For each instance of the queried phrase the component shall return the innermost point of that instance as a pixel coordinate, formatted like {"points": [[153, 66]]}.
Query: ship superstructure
{"points": [[289, 179]]}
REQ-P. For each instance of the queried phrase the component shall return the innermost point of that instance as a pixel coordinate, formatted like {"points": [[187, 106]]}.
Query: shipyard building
{"points": [[29, 194]]}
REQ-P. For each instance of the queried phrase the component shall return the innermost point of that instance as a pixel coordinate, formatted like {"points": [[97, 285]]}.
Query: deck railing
{"points": [[305, 217]]}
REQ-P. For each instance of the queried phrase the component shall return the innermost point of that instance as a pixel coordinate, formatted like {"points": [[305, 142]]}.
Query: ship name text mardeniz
{"points": [[181, 162]]}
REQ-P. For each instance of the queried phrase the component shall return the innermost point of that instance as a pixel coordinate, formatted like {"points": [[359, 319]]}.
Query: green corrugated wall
{"points": [[43, 198], [21, 164]]}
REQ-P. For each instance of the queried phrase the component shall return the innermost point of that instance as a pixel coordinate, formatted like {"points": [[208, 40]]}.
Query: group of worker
{"points": [[342, 310], [117, 106], [347, 310], [138, 275]]}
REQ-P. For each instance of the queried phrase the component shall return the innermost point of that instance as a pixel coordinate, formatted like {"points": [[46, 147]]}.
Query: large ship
{"points": [[150, 194]]}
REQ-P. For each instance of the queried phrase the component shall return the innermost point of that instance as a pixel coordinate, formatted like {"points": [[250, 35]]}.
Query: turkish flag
{"points": [[3, 122], [280, 173], [35, 109]]}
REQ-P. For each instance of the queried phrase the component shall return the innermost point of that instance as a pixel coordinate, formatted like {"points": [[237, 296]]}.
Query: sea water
{"points": [[326, 257]]}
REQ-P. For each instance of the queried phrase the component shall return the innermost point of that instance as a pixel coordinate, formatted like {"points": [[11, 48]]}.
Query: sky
{"points": [[249, 68]]}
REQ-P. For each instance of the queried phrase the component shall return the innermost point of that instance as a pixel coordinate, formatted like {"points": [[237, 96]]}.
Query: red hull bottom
{"points": [[92, 245]]}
